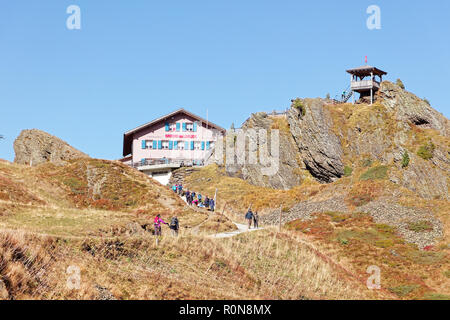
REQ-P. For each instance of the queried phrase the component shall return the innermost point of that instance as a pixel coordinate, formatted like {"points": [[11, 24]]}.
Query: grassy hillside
{"points": [[51, 220]]}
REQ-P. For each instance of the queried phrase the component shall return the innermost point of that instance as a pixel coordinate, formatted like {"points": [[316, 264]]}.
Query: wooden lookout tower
{"points": [[363, 80]]}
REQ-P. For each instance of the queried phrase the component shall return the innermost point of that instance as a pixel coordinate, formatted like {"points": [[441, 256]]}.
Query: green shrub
{"points": [[298, 104], [384, 228], [447, 273], [426, 101], [76, 186], [400, 84], [347, 171], [379, 172], [405, 159], [426, 151], [420, 226]]}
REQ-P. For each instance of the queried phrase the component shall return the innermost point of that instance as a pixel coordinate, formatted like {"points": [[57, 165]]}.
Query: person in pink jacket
{"points": [[157, 223]]}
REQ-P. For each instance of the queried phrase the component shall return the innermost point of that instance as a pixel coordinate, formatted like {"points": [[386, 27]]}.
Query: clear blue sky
{"points": [[136, 60]]}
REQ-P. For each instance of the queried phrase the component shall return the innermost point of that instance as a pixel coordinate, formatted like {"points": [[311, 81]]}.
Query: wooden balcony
{"points": [[364, 85]]}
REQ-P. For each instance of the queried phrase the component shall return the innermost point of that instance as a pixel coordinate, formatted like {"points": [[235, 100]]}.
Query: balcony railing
{"points": [[365, 84], [167, 161]]}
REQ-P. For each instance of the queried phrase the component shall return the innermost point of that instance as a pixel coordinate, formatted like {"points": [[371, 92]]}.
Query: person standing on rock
{"points": [[157, 223], [255, 219], [211, 204], [249, 217]]}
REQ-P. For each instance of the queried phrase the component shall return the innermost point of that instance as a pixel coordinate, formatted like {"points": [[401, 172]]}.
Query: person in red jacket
{"points": [[157, 223]]}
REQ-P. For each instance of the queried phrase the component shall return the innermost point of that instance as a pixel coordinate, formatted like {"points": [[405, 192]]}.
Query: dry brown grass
{"points": [[258, 265]]}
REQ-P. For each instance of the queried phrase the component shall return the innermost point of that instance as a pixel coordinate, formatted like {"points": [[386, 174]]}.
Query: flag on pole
{"points": [[215, 197], [366, 60]]}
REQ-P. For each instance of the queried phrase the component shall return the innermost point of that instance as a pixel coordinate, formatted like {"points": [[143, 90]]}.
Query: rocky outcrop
{"points": [[36, 146], [304, 210], [319, 147], [280, 170], [409, 108]]}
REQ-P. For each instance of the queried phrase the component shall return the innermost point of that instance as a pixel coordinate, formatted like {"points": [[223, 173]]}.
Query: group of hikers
{"points": [[174, 225], [194, 198]]}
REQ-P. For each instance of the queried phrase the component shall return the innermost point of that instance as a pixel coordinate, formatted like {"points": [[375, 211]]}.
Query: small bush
{"points": [[298, 104], [400, 84], [379, 172], [420, 226], [405, 159], [426, 151], [447, 273], [76, 186], [347, 171], [426, 101]]}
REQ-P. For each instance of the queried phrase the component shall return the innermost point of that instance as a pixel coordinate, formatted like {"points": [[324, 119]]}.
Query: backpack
{"points": [[174, 223]]}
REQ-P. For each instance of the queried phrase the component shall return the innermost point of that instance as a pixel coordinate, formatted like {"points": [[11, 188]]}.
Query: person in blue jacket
{"points": [[249, 217]]}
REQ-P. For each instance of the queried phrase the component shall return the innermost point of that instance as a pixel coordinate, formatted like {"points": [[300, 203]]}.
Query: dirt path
{"points": [[241, 229]]}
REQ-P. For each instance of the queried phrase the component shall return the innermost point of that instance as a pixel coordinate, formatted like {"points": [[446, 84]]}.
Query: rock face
{"points": [[326, 141], [409, 108], [36, 146], [281, 170], [319, 147]]}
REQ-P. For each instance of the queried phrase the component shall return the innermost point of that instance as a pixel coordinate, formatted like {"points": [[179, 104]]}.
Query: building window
{"points": [[165, 144], [197, 145], [180, 145], [189, 127], [173, 126], [149, 144]]}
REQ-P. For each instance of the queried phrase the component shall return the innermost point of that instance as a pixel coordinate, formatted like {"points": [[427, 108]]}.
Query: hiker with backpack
{"points": [[255, 219], [174, 226], [157, 223], [249, 217], [211, 205]]}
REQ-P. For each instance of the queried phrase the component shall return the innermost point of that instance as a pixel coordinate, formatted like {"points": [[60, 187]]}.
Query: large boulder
{"points": [[285, 171], [311, 126], [33, 147]]}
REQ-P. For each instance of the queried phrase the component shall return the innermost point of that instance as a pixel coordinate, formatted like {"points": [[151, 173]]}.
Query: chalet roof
{"points": [[128, 136], [366, 70]]}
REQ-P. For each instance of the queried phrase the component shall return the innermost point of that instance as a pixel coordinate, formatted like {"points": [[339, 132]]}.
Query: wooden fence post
{"points": [[279, 226]]}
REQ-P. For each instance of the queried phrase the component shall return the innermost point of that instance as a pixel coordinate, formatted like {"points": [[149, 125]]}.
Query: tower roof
{"points": [[366, 70]]}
